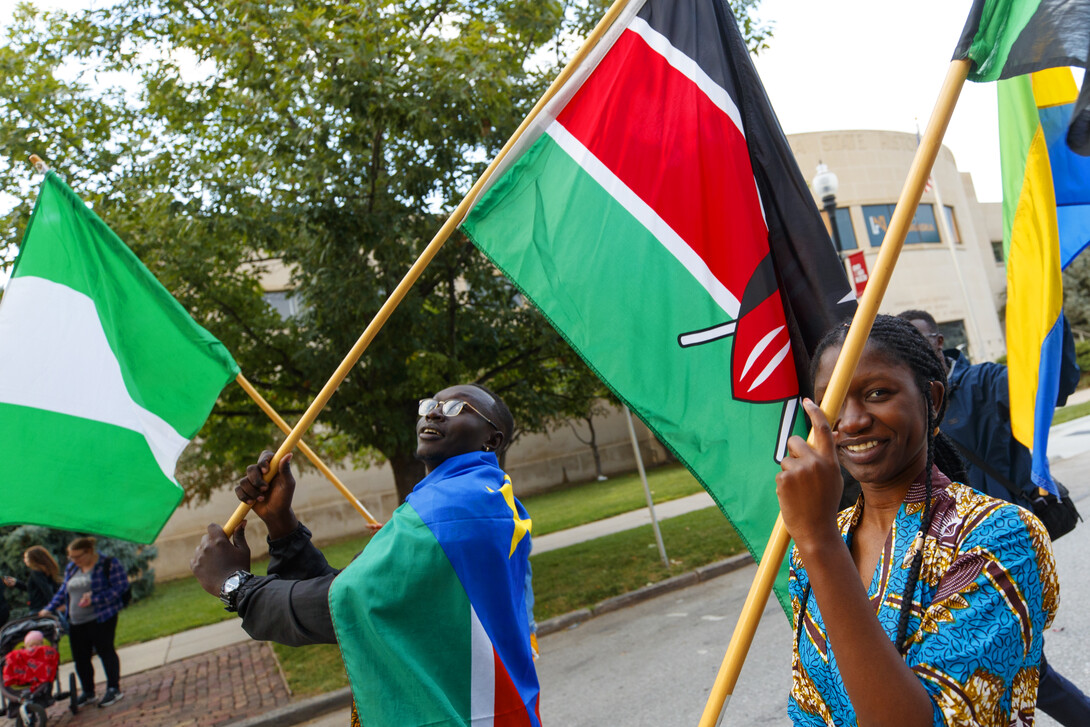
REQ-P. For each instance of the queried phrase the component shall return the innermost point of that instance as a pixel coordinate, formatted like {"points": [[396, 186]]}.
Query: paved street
{"points": [[654, 663]]}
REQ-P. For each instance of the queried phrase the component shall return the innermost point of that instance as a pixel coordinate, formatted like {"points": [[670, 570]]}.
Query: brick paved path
{"points": [[215, 688]]}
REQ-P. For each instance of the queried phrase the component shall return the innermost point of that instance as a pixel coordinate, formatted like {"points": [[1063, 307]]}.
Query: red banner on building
{"points": [[857, 270]]}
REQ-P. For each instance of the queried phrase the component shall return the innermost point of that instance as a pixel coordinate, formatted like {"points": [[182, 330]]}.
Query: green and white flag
{"points": [[104, 379]]}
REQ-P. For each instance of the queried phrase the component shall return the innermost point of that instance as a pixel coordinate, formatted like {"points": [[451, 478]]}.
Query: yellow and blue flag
{"points": [[1046, 223]]}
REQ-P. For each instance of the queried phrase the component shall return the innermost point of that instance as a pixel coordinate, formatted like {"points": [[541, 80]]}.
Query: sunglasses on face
{"points": [[450, 408]]}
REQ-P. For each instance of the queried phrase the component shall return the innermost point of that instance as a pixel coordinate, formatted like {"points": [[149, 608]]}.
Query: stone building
{"points": [[964, 296]]}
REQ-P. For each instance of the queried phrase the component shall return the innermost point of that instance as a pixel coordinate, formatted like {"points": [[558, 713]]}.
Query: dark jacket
{"points": [[39, 588], [290, 605], [978, 418]]}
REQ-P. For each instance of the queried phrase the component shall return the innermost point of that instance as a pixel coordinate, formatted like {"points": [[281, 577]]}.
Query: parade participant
{"points": [[43, 580], [925, 603], [91, 592], [431, 617], [978, 422]]}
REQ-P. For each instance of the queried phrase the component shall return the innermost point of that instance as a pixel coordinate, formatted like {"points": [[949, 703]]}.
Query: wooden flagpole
{"points": [[307, 451], [424, 260], [776, 549]]}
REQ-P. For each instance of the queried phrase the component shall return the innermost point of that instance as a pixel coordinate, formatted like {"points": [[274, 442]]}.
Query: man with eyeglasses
{"points": [[978, 421], [396, 611]]}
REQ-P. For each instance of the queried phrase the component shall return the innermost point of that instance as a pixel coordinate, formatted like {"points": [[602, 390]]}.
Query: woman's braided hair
{"points": [[899, 340]]}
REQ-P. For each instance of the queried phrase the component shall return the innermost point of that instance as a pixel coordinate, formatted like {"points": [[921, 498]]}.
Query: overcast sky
{"points": [[870, 64]]}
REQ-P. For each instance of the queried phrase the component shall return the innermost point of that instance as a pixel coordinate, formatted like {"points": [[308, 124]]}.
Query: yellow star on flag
{"points": [[523, 526]]}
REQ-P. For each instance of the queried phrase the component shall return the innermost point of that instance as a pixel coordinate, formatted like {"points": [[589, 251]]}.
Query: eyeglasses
{"points": [[450, 408], [932, 335]]}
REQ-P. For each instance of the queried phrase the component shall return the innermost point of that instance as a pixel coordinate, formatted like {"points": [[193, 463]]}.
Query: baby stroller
{"points": [[27, 705]]}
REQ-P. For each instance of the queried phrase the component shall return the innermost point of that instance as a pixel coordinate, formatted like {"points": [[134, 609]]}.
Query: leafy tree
{"points": [[333, 136]]}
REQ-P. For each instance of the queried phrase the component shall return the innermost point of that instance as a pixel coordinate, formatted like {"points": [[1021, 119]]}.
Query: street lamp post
{"points": [[825, 185]]}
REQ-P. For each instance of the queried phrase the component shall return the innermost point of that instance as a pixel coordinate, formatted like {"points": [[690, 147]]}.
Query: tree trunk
{"points": [[408, 471], [594, 449]]}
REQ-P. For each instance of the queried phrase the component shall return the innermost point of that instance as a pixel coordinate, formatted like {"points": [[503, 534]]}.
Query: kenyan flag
{"points": [[655, 214]]}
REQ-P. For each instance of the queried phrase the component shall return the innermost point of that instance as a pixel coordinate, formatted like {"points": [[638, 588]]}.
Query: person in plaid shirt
{"points": [[92, 591]]}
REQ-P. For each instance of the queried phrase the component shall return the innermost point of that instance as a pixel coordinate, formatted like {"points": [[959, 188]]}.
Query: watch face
{"points": [[231, 583]]}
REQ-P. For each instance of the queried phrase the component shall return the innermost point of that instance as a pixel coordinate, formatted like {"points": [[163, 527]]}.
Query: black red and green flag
{"points": [[655, 214], [1008, 38]]}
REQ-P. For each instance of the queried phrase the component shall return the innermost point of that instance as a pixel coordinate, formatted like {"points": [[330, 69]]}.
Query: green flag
{"points": [[104, 379], [1007, 38]]}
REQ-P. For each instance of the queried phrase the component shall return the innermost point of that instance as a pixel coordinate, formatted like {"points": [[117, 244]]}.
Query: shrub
{"points": [[16, 539], [1082, 355]]}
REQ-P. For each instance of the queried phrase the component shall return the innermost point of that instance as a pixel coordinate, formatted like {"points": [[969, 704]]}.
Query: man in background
{"points": [[978, 420]]}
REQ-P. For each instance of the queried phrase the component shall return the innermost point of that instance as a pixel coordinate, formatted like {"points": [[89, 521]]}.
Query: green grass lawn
{"points": [[181, 604], [1067, 413], [584, 503]]}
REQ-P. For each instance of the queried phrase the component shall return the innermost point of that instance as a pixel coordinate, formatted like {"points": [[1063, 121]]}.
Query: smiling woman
{"points": [[925, 602], [432, 619]]}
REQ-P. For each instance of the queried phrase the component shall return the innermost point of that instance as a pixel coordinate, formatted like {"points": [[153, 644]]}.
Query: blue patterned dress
{"points": [[986, 593]]}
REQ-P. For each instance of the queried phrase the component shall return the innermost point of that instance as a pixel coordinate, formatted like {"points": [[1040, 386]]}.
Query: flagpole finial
{"points": [[40, 165]]}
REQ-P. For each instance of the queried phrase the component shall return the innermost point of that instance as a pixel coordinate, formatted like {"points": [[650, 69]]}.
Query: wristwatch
{"points": [[230, 588]]}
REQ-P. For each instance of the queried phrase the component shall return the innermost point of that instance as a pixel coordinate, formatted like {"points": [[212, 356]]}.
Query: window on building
{"points": [[845, 232], [952, 221], [953, 333], [923, 228], [997, 251], [284, 302]]}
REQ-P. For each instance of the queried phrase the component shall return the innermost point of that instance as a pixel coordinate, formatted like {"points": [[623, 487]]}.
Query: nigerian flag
{"points": [[104, 379]]}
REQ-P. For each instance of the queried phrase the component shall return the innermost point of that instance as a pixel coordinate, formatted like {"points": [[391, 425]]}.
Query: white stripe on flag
{"points": [[646, 216], [690, 69], [556, 104], [56, 357], [482, 690]]}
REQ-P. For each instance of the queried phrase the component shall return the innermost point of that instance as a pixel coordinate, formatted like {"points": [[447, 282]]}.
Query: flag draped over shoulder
{"points": [[104, 379], [1046, 223], [655, 214], [431, 618], [1007, 38]]}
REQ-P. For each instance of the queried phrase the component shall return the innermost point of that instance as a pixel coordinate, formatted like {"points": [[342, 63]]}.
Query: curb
{"points": [[307, 709], [571, 620], [301, 711]]}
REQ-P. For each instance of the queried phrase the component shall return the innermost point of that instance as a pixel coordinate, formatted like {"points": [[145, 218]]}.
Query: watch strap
{"points": [[229, 596]]}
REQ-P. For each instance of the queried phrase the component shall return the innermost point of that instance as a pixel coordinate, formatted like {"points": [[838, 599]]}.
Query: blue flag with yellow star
{"points": [[431, 618]]}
